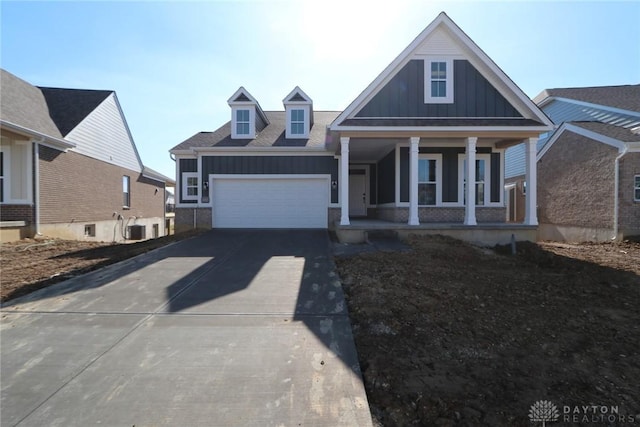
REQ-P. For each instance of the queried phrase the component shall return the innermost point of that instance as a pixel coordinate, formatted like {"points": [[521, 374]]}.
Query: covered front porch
{"points": [[420, 182]]}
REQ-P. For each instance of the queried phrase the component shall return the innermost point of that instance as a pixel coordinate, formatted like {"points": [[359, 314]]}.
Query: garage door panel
{"points": [[270, 203]]}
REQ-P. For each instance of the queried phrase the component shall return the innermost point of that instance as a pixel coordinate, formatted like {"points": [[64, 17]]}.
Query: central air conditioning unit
{"points": [[137, 232]]}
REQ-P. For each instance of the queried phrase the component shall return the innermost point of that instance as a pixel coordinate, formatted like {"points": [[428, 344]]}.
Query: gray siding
{"points": [[403, 96], [272, 165], [564, 111], [386, 169]]}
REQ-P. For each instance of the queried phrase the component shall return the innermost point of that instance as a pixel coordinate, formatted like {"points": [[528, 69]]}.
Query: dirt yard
{"points": [[28, 265], [453, 335]]}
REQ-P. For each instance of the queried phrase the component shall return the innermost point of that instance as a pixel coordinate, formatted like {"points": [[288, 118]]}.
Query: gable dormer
{"points": [[299, 112], [247, 117]]}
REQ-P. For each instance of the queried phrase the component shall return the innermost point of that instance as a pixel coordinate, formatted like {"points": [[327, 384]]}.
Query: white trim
{"points": [[8, 172], [414, 153], [397, 174], [302, 93], [49, 141], [428, 98], [306, 109], [475, 56], [636, 187], [184, 185], [344, 183], [583, 132], [531, 178], [438, 159], [263, 151], [234, 122]]}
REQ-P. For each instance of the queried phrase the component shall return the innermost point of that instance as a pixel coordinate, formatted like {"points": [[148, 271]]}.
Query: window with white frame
{"points": [[482, 179], [636, 188], [126, 191], [429, 180], [438, 80], [297, 121], [190, 186], [243, 123]]}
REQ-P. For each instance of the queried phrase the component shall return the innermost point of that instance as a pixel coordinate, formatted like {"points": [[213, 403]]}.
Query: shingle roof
{"points": [[612, 131], [625, 97], [271, 136], [24, 105], [68, 107]]}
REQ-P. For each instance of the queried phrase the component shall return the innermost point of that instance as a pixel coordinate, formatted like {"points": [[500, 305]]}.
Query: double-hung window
{"points": [[190, 186], [242, 122], [297, 122], [126, 191], [429, 180], [438, 81], [481, 179], [636, 188]]}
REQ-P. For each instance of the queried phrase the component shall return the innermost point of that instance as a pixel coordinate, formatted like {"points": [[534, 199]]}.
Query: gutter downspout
{"points": [[36, 172], [615, 194]]}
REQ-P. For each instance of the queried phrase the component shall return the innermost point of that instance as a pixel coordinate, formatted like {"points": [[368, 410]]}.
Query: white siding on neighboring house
{"points": [[560, 111], [104, 135]]}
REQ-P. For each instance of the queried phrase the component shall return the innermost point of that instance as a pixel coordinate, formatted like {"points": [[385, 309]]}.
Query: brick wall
{"points": [[17, 213], [576, 183], [77, 188], [184, 218], [629, 210], [454, 215]]}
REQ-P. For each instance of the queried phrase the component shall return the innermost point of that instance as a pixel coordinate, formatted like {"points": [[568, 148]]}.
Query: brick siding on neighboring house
{"points": [[629, 210], [77, 188], [576, 183]]}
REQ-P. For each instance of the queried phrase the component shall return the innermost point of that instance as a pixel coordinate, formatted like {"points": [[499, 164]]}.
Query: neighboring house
{"points": [[588, 169], [70, 168], [401, 152]]}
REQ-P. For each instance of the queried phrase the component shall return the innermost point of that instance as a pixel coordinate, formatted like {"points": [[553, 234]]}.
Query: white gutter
{"points": [[616, 185], [54, 142]]}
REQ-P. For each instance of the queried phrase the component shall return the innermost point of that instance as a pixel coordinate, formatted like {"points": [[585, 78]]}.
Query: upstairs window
{"points": [[242, 122], [297, 122], [438, 86]]}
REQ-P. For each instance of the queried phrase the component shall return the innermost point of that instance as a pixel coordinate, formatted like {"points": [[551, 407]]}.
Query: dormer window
{"points": [[299, 112], [438, 87], [297, 122], [242, 122], [247, 118]]}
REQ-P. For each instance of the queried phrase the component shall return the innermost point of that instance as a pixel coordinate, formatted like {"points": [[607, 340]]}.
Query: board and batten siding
{"points": [[386, 168], [403, 96], [103, 135], [283, 165]]}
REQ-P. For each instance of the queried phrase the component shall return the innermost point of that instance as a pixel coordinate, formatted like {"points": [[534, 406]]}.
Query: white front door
{"points": [[357, 192]]}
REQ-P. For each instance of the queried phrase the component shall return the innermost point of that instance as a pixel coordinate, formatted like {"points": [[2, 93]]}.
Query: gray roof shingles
{"points": [[68, 107], [24, 104], [625, 97], [273, 135]]}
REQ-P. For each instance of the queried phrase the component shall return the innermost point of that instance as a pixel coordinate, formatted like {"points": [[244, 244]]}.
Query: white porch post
{"points": [[531, 178], [470, 206], [413, 181], [344, 180]]}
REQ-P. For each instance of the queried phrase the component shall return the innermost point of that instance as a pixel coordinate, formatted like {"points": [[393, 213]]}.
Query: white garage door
{"points": [[264, 202]]}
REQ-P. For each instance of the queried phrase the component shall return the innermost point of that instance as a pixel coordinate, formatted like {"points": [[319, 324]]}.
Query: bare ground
{"points": [[449, 334], [28, 265]]}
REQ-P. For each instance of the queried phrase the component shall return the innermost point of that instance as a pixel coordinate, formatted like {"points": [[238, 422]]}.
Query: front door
{"points": [[357, 192]]}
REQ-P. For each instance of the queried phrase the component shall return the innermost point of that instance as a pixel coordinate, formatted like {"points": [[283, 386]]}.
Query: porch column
{"points": [[531, 178], [344, 180], [470, 206], [413, 181]]}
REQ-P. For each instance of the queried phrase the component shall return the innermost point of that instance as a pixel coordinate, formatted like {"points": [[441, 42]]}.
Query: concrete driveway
{"points": [[232, 328]]}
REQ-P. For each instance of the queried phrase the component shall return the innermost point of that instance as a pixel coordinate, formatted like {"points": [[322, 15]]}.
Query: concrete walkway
{"points": [[227, 329]]}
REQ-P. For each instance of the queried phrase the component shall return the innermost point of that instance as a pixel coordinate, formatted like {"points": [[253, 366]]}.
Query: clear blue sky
{"points": [[175, 64]]}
